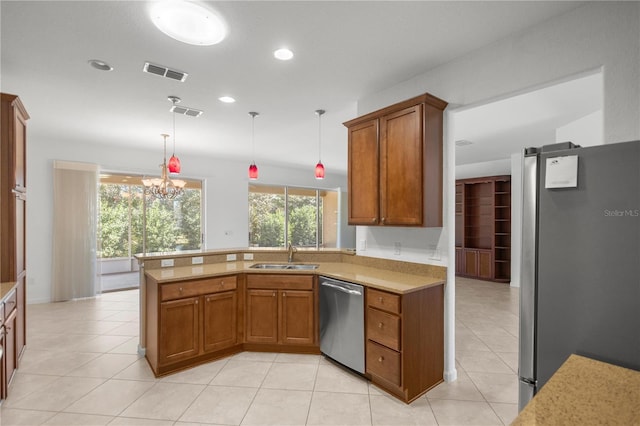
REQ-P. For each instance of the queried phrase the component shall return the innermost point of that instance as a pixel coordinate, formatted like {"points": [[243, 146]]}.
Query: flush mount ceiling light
{"points": [[319, 166], [100, 65], [188, 22], [226, 99], [283, 54]]}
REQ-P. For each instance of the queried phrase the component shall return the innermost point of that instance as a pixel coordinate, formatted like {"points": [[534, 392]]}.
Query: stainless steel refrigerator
{"points": [[580, 272]]}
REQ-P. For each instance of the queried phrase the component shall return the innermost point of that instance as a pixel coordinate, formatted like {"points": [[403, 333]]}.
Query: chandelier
{"points": [[163, 188]]}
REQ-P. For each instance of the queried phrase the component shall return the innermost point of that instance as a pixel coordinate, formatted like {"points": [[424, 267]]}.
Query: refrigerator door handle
{"points": [[528, 270]]}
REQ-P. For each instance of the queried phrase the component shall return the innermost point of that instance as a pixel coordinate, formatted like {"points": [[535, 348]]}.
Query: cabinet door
{"points": [[220, 321], [296, 317], [363, 178], [179, 331], [459, 261], [262, 316], [401, 167], [471, 262], [21, 331], [485, 264]]}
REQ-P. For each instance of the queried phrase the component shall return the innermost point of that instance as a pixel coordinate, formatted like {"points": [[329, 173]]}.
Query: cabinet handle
{"points": [[180, 289], [383, 219], [284, 294], [373, 220], [380, 299], [196, 301], [380, 325], [221, 283], [381, 359], [208, 299], [274, 294]]}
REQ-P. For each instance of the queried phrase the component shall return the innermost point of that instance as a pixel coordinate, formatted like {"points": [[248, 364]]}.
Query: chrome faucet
{"points": [[292, 250]]}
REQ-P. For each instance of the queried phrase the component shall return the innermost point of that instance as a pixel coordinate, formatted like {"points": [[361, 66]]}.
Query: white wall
{"points": [[485, 168], [585, 131], [225, 190]]}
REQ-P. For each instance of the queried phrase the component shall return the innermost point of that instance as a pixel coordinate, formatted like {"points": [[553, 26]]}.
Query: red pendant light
{"points": [[319, 166], [253, 169], [174, 162], [253, 172], [319, 171]]}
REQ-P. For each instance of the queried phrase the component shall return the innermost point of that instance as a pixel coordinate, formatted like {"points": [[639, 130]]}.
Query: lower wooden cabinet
{"points": [[12, 334], [190, 322], [179, 330], [281, 309], [220, 321], [474, 263], [262, 316], [405, 340]]}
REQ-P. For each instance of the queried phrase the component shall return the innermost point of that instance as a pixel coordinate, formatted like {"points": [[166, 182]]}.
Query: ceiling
{"points": [[506, 126], [344, 50]]}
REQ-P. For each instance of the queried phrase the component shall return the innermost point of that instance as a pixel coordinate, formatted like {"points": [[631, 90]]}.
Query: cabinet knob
{"points": [[373, 220], [180, 289], [380, 325], [380, 299], [284, 294], [274, 294], [196, 302], [383, 219], [221, 283], [208, 299], [381, 359]]}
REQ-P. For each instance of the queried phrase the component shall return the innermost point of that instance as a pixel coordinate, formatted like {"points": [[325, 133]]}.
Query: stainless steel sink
{"points": [[281, 266]]}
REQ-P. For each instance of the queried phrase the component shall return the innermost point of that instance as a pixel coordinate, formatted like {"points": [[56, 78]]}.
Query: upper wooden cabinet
{"points": [[395, 165]]}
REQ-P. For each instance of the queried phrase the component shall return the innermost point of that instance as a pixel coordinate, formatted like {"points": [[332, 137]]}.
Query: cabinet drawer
{"points": [[383, 300], [10, 304], [197, 287], [383, 362], [383, 328], [280, 281]]}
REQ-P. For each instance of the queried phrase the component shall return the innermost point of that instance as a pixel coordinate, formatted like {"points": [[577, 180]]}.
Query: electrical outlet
{"points": [[362, 246], [397, 248], [231, 257], [248, 256], [196, 260], [165, 263]]}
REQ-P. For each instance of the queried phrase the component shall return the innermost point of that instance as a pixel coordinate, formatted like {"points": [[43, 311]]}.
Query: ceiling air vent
{"points": [[191, 112], [163, 71]]}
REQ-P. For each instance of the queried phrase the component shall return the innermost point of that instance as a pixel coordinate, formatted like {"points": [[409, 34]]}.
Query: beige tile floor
{"points": [[81, 368]]}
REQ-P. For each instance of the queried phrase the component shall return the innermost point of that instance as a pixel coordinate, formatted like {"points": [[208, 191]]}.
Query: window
{"points": [[304, 217], [131, 223]]}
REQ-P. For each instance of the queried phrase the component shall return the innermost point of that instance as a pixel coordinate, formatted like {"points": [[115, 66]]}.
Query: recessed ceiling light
{"points": [[188, 22], [226, 99], [283, 54], [100, 65]]}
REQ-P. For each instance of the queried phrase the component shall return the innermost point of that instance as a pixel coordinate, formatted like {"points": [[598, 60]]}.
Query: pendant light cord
{"points": [[320, 112], [174, 127], [253, 134]]}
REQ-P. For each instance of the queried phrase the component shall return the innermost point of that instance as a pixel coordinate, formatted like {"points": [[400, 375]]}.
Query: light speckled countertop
{"points": [[586, 392], [5, 288], [396, 282]]}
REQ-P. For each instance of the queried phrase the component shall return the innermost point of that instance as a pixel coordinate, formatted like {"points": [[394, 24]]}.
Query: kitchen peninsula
{"points": [[212, 304]]}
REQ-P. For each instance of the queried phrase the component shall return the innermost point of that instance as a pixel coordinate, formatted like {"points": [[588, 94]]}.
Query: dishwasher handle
{"points": [[341, 288]]}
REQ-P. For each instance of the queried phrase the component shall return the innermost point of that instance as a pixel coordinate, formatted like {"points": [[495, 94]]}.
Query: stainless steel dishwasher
{"points": [[342, 322]]}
